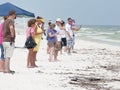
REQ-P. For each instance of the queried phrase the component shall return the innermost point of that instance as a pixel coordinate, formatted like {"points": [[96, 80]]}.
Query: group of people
{"points": [[35, 29], [60, 37], [7, 40]]}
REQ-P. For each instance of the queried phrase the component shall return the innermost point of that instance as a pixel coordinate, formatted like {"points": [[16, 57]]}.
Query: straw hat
{"points": [[42, 20]]}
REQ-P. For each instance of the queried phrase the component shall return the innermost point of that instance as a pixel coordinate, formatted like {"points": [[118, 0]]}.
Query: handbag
{"points": [[30, 43]]}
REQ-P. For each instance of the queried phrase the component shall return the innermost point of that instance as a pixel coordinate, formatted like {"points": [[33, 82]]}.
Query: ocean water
{"points": [[100, 33]]}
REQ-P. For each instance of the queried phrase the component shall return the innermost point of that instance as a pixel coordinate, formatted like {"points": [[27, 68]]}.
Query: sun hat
{"points": [[42, 20]]}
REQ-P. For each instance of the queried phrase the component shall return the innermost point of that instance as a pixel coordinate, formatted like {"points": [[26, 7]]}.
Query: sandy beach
{"points": [[91, 66]]}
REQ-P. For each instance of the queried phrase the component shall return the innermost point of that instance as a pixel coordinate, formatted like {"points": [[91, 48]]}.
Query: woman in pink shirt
{"points": [[0, 34], [31, 31], [1, 49]]}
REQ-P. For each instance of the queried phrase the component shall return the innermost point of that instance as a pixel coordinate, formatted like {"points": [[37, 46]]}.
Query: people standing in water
{"points": [[9, 40], [38, 35]]}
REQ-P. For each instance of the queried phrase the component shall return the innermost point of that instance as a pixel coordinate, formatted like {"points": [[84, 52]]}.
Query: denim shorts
{"points": [[1, 52]]}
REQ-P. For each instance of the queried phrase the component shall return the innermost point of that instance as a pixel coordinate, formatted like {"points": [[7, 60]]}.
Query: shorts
{"points": [[63, 42], [51, 44], [58, 46], [8, 49], [69, 43], [1, 52]]}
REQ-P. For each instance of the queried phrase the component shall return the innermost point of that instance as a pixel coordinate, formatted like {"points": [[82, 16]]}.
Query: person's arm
{"points": [[32, 33], [75, 28], [37, 33], [66, 29], [42, 27], [51, 35], [69, 35], [12, 31], [33, 36]]}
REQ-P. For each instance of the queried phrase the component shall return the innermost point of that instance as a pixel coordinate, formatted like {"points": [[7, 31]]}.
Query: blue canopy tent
{"points": [[6, 7], [21, 13]]}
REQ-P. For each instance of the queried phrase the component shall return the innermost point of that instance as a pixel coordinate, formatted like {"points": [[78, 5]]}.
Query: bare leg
{"points": [[1, 66], [61, 51], [28, 60], [72, 48], [65, 49], [51, 54], [48, 50], [68, 50], [34, 58], [7, 65], [55, 55], [30, 57]]}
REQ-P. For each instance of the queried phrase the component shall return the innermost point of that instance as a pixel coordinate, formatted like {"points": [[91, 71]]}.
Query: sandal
{"points": [[11, 72]]}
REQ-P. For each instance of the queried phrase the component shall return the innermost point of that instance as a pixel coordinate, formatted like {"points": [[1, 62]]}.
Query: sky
{"points": [[85, 12]]}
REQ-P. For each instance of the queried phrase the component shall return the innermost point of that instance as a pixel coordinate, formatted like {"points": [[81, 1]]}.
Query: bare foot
{"points": [[2, 70], [35, 66], [30, 66]]}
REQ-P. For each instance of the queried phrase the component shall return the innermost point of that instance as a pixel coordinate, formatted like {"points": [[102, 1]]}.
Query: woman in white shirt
{"points": [[63, 36]]}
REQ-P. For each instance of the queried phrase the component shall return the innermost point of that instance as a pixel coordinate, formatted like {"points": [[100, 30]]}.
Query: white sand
{"points": [[89, 60]]}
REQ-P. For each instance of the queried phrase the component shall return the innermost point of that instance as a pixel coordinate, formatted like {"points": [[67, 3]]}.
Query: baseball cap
{"points": [[58, 19]]}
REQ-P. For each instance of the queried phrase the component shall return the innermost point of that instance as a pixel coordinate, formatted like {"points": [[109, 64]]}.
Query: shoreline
{"points": [[113, 43], [90, 63]]}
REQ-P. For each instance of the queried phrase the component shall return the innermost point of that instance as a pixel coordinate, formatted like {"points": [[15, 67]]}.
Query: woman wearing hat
{"points": [[38, 35]]}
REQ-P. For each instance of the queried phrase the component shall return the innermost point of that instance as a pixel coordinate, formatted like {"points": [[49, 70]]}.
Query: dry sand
{"points": [[91, 66]]}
